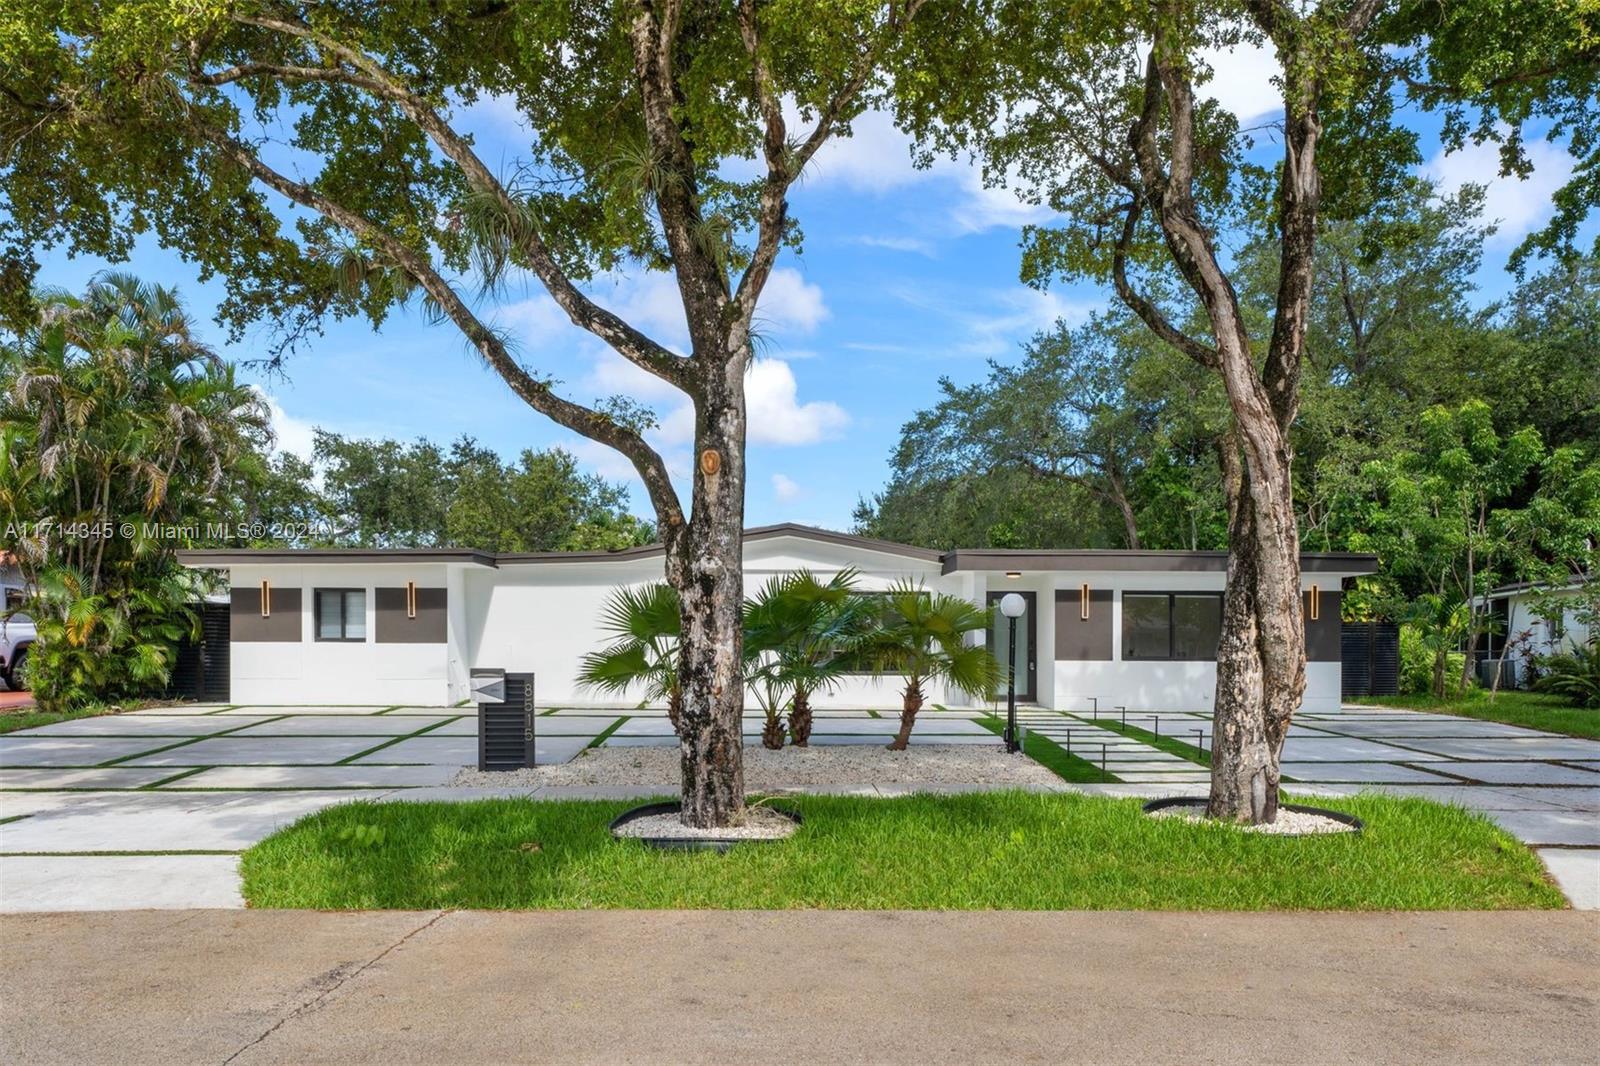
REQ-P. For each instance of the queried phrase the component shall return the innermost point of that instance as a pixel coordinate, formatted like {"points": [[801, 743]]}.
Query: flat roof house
{"points": [[406, 626]]}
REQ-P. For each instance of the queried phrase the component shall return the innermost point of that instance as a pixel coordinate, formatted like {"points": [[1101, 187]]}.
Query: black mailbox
{"points": [[505, 719]]}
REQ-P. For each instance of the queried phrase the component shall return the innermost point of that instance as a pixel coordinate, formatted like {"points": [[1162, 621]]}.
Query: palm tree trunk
{"points": [[908, 714], [800, 719]]}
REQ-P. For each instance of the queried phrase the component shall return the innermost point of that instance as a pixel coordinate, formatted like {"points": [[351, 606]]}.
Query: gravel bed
{"points": [[760, 823], [764, 770], [1288, 823]]}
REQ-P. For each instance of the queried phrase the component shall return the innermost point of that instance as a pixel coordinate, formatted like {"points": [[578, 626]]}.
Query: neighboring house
{"points": [[405, 626], [1547, 613]]}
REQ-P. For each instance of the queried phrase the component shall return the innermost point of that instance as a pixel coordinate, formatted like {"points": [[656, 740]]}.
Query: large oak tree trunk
{"points": [[705, 564], [1261, 654]]}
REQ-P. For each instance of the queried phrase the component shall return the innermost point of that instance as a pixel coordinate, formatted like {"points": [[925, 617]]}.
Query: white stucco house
{"points": [[407, 626], [1531, 619]]}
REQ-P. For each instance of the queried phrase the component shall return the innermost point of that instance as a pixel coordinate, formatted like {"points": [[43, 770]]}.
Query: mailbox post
{"points": [[506, 719]]}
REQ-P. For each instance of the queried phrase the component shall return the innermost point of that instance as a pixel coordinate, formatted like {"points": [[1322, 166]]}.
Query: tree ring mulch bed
{"points": [[656, 825], [1294, 819]]}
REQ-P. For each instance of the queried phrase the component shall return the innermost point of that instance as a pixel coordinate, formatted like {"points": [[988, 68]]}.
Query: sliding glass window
{"points": [[342, 615], [1173, 626]]}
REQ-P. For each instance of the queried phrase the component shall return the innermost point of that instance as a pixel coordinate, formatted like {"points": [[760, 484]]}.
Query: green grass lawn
{"points": [[1532, 709], [1052, 756], [999, 850], [1163, 742], [30, 717]]}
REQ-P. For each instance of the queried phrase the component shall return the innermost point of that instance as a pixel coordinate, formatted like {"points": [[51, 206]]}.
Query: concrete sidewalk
{"points": [[672, 986]]}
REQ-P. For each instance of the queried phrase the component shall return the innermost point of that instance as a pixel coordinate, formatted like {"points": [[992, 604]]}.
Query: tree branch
{"points": [[1152, 316], [537, 394], [629, 342]]}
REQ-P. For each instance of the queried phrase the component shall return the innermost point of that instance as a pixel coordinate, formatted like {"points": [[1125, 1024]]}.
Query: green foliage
{"points": [[1499, 71], [120, 431], [800, 636], [1428, 663], [385, 493], [645, 624], [925, 636], [1574, 676], [1099, 438]]}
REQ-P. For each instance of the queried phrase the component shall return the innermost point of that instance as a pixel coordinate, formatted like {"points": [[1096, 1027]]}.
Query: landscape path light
{"points": [[1012, 605]]}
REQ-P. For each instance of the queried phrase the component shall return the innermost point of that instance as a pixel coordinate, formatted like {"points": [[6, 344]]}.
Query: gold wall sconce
{"points": [[1316, 602], [266, 599], [411, 599], [1083, 602]]}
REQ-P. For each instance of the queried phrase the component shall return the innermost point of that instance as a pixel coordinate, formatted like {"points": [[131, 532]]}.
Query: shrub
{"points": [[1417, 662], [1575, 677]]}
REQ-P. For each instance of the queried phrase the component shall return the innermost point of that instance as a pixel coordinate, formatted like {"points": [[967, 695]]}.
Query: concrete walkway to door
{"points": [[255, 987]]}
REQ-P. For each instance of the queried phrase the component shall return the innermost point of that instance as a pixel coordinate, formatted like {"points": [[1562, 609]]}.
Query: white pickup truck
{"points": [[16, 637]]}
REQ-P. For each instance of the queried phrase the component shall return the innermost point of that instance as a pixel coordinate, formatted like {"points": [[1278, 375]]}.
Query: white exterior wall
{"points": [[312, 671], [542, 617], [1520, 616], [1155, 685]]}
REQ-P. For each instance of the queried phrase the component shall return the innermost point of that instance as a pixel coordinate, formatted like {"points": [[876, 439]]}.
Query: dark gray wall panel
{"points": [[1322, 635], [248, 627], [1078, 640], [428, 627]]}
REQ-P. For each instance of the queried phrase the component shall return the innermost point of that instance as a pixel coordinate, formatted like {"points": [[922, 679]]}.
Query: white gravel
{"points": [[764, 770], [760, 823], [1288, 823]]}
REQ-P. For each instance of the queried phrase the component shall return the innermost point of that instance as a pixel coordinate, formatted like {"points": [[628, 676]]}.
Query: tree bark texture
{"points": [[800, 719], [908, 714], [705, 564]]}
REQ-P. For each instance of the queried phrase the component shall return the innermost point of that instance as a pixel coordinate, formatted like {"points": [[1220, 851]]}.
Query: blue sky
{"points": [[906, 275]]}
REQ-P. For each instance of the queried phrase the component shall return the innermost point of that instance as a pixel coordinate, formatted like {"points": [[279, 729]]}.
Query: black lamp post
{"points": [[1012, 606]]}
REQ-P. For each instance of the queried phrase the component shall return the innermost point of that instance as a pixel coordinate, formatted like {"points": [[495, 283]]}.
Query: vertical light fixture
{"points": [[411, 599], [1316, 602], [266, 599], [1083, 602]]}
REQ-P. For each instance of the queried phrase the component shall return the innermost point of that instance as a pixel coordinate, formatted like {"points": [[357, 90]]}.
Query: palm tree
{"points": [[922, 637], [646, 625], [801, 633], [114, 416]]}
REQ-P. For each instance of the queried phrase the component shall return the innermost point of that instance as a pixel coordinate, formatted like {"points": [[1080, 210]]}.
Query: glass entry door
{"points": [[1022, 658]]}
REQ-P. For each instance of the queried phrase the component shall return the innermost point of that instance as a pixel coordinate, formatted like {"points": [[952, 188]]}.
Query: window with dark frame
{"points": [[1171, 626], [342, 615]]}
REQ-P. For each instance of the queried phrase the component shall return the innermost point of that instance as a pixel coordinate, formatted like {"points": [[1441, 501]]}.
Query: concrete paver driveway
{"points": [[217, 778]]}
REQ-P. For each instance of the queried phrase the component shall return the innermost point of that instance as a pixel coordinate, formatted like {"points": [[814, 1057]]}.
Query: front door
{"points": [[1022, 658]]}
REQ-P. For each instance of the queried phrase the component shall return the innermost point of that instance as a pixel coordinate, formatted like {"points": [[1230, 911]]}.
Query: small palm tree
{"points": [[646, 624], [799, 635], [922, 637]]}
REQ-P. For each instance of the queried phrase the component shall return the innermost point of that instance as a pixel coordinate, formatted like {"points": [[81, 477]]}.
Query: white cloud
{"points": [[875, 158], [536, 320], [775, 415], [613, 376], [773, 411], [789, 301], [1515, 205], [1004, 317], [289, 434], [898, 244], [1242, 82], [785, 488], [986, 207]]}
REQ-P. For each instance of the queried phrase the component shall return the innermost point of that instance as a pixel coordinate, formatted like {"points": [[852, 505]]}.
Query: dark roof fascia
{"points": [[1576, 582], [218, 557], [1121, 560], [246, 556]]}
